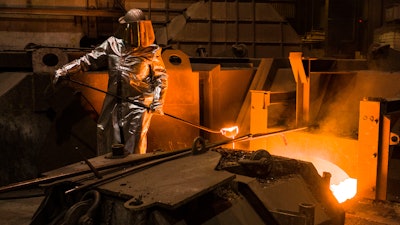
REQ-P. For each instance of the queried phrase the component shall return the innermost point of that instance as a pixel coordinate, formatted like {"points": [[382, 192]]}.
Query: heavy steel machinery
{"points": [[205, 184]]}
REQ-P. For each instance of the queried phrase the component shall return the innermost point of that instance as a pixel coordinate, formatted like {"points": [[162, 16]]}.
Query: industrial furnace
{"points": [[303, 126]]}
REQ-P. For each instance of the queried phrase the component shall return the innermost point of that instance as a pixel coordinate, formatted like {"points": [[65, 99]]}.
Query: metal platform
{"points": [[358, 212]]}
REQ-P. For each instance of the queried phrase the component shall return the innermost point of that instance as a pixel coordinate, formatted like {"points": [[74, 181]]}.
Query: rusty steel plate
{"points": [[169, 184]]}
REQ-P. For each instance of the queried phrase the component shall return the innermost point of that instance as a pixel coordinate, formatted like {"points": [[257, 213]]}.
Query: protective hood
{"points": [[139, 34]]}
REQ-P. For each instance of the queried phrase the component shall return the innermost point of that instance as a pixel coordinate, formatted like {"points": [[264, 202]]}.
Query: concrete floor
{"points": [[358, 211], [369, 212]]}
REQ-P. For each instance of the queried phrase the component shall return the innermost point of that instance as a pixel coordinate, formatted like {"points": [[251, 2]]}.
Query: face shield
{"points": [[138, 34], [131, 34], [136, 30]]}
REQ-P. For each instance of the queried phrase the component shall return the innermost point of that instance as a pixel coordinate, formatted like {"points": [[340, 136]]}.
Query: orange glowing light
{"points": [[343, 187], [345, 190], [230, 132]]}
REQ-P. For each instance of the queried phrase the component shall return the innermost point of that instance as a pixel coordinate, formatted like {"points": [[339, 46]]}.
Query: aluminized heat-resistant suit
{"points": [[136, 74]]}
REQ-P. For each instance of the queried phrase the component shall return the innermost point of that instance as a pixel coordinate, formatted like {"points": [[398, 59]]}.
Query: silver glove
{"points": [[59, 73], [157, 107]]}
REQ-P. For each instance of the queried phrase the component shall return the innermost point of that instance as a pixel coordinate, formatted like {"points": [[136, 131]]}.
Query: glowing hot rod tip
{"points": [[230, 132]]}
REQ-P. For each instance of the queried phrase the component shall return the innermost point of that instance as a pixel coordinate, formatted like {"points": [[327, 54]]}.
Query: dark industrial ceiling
{"points": [[242, 28]]}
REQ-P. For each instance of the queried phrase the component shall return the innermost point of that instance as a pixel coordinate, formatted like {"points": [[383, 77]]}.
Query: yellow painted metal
{"points": [[260, 100], [210, 81], [302, 89], [94, 99], [383, 160], [222, 92], [182, 101], [368, 147], [257, 83]]}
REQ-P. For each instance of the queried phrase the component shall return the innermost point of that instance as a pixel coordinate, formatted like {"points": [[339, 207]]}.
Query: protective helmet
{"points": [[133, 15], [137, 31]]}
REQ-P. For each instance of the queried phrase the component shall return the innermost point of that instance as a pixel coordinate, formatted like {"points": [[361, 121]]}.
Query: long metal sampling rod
{"points": [[248, 137], [56, 177], [157, 159], [141, 105], [182, 153], [127, 171]]}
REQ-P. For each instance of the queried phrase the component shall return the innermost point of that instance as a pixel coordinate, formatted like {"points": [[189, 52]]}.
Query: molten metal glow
{"points": [[343, 187], [230, 132], [345, 190]]}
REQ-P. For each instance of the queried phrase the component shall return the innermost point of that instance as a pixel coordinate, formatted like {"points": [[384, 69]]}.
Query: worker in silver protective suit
{"points": [[137, 73]]}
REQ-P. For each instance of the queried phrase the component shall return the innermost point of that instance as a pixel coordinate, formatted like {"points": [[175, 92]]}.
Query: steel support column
{"points": [[302, 89]]}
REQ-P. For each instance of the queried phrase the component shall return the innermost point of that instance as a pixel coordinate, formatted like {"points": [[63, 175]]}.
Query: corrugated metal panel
{"points": [[217, 27]]}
